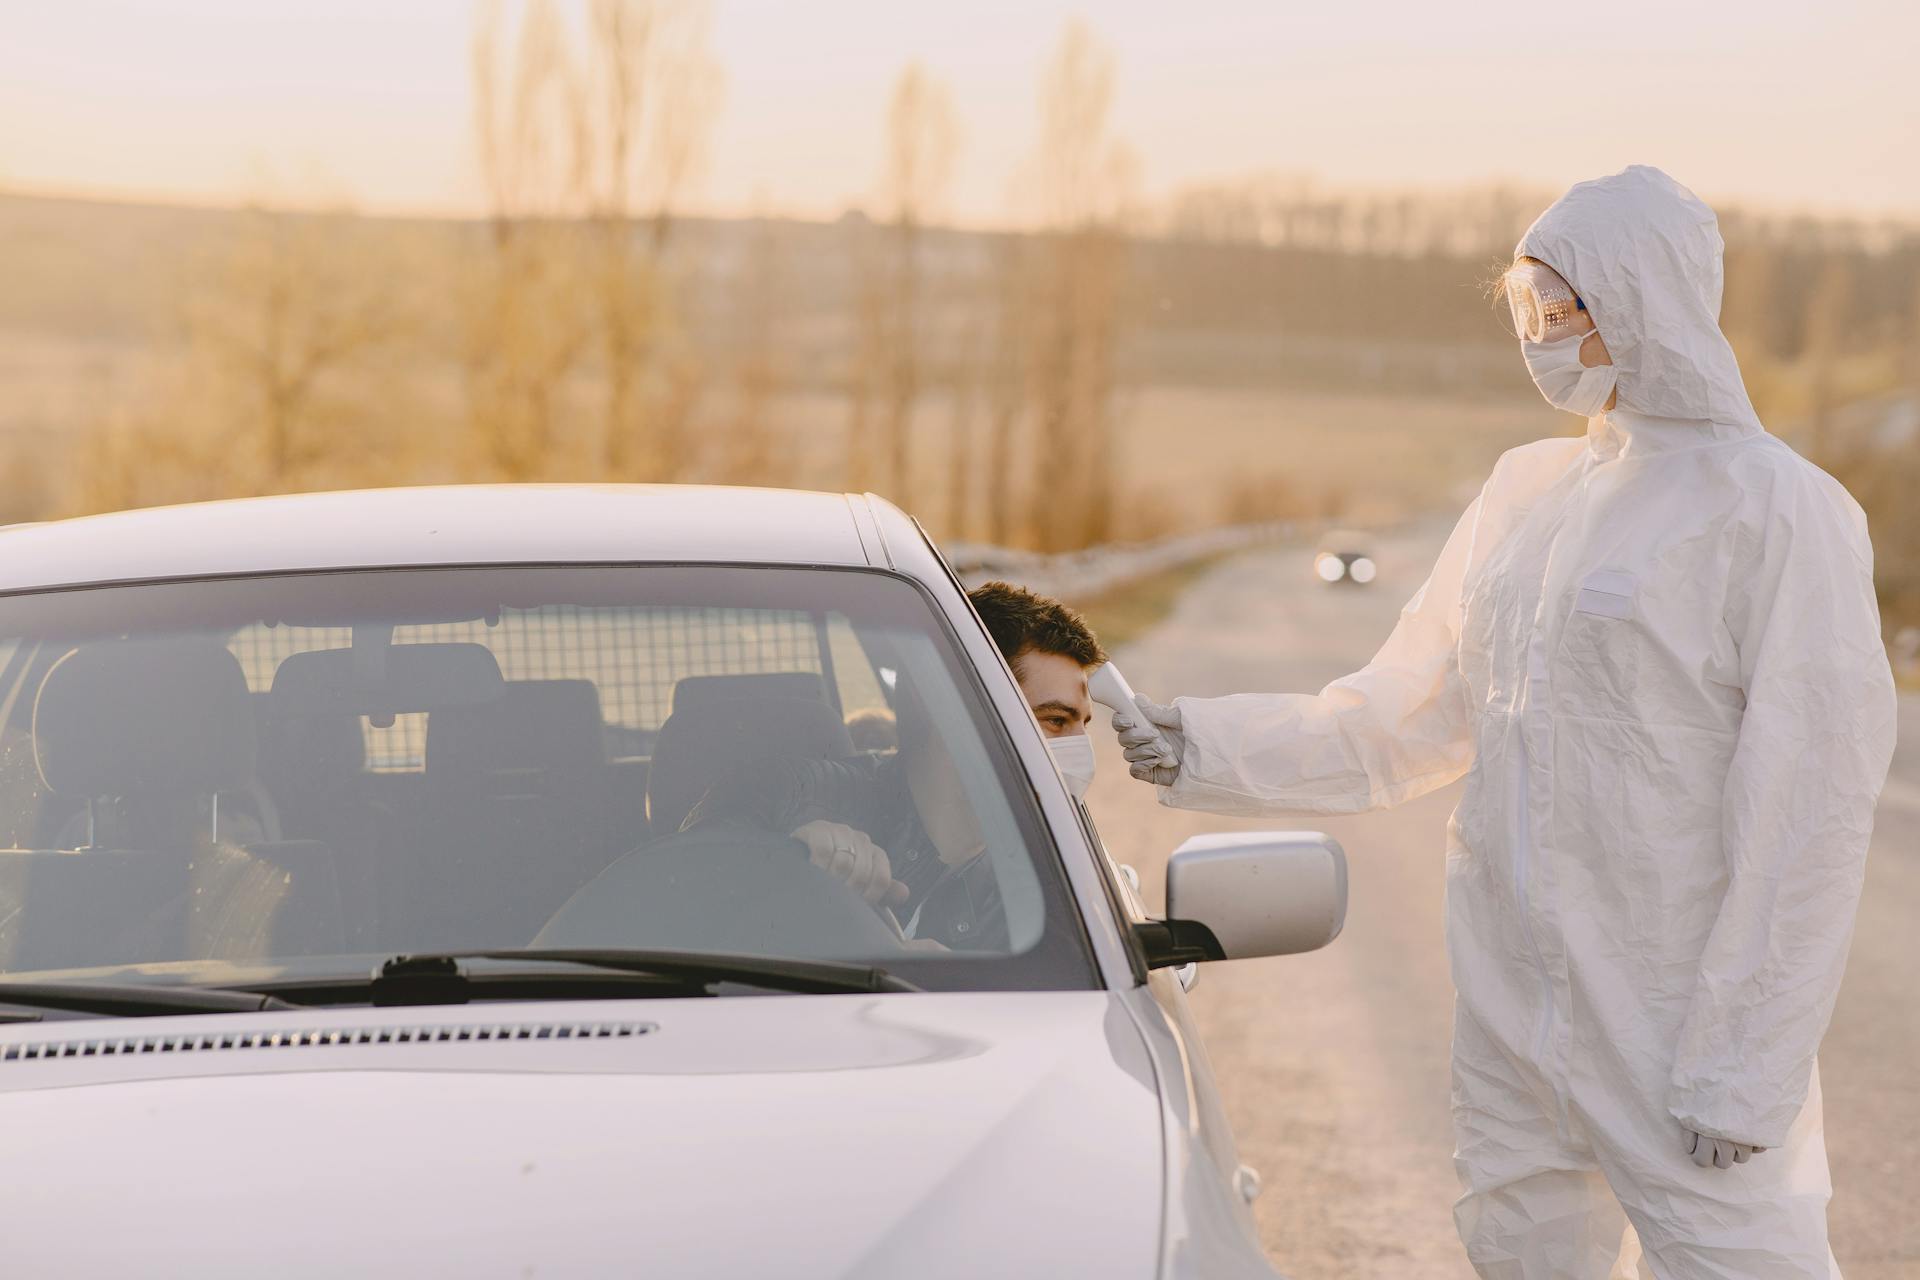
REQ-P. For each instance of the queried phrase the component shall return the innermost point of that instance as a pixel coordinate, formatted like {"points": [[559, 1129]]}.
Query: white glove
{"points": [[1152, 742], [851, 856], [1717, 1153]]}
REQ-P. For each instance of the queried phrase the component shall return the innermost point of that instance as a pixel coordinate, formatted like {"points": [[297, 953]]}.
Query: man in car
{"points": [[1050, 648], [899, 830]]}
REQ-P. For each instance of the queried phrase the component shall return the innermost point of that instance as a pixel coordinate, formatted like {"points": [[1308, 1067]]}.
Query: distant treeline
{"points": [[123, 271]]}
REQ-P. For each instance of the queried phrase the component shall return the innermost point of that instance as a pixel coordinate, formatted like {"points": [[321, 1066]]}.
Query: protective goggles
{"points": [[1543, 303]]}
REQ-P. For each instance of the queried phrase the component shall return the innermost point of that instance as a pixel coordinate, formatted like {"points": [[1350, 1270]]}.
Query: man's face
{"points": [[1056, 689]]}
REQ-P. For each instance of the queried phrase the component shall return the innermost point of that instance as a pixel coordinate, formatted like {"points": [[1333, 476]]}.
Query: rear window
{"points": [[309, 770], [633, 656]]}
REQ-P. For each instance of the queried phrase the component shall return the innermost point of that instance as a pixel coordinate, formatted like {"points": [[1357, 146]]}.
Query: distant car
{"points": [[369, 914], [1341, 556]]}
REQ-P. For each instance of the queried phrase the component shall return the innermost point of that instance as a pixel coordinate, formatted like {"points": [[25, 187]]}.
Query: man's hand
{"points": [[1717, 1153], [848, 854], [1145, 740]]}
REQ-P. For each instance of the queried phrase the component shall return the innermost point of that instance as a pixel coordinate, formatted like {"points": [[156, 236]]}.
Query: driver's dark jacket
{"points": [[957, 906]]}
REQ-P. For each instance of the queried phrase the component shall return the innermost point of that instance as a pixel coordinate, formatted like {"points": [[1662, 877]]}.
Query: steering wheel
{"points": [[721, 886], [879, 909]]}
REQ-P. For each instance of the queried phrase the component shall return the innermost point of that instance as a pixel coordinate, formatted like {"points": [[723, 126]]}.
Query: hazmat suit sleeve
{"points": [[1815, 742], [1394, 730]]}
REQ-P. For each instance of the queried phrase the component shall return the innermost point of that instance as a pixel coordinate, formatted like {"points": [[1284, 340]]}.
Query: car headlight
{"points": [[1330, 567], [1362, 570]]}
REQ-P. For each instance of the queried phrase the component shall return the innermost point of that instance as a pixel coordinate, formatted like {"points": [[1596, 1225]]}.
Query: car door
{"points": [[1168, 989]]}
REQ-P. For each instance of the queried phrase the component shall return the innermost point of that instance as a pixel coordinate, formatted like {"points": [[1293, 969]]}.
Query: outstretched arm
{"points": [[1394, 730]]}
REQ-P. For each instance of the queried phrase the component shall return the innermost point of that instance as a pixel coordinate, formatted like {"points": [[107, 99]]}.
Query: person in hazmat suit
{"points": [[1655, 655]]}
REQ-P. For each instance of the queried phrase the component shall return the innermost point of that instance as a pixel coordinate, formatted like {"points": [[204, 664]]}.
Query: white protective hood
{"points": [[1644, 254], [1655, 655]]}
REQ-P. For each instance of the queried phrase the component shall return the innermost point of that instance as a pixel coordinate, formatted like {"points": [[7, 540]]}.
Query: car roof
{"points": [[451, 524]]}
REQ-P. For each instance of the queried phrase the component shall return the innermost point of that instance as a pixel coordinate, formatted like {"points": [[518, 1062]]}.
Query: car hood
{"points": [[925, 1135]]}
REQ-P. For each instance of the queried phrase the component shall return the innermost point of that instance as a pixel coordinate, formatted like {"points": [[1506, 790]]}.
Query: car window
{"points": [[305, 770]]}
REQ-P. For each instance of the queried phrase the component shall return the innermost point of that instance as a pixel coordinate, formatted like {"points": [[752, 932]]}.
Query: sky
{"points": [[1769, 104]]}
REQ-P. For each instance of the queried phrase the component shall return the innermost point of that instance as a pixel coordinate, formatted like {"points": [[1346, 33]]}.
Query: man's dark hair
{"points": [[1022, 622]]}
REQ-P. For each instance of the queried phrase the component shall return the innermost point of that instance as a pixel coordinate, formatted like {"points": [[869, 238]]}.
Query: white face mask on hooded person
{"points": [[1563, 380], [1073, 757]]}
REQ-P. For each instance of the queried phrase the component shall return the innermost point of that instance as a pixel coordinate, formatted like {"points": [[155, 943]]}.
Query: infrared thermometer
{"points": [[1110, 689]]}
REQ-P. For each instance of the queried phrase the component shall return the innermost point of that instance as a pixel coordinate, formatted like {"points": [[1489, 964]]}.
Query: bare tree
{"points": [[922, 138], [651, 98], [585, 156], [527, 116], [1828, 312], [1007, 379], [963, 378], [267, 389], [1084, 176], [292, 307], [748, 444], [526, 331], [867, 356]]}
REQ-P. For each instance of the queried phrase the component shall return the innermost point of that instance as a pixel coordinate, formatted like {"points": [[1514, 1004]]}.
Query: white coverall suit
{"points": [[1656, 656]]}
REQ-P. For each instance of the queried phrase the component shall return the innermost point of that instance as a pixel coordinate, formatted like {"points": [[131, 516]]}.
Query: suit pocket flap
{"points": [[1606, 592]]}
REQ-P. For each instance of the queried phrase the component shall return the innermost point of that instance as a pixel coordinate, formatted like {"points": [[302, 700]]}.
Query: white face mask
{"points": [[1564, 381], [1073, 757]]}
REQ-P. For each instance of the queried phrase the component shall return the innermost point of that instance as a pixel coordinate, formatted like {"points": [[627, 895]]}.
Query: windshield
{"points": [[304, 773]]}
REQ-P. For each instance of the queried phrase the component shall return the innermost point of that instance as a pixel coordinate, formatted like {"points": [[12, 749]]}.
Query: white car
{"points": [[403, 885]]}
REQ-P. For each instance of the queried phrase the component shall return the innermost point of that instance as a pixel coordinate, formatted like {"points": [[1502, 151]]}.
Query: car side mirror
{"points": [[1238, 895]]}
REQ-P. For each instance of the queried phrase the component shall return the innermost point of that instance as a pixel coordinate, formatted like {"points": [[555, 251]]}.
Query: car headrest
{"points": [[692, 691], [551, 725], [307, 754], [143, 717], [701, 744]]}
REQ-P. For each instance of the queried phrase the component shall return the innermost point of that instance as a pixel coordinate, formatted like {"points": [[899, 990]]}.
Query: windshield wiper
{"points": [[124, 1000], [560, 974]]}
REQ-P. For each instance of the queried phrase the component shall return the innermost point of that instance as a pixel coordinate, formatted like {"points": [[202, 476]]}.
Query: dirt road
{"points": [[1334, 1065]]}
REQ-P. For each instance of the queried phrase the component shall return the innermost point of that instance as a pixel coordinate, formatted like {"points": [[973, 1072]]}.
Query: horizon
{"points": [[1895, 223]]}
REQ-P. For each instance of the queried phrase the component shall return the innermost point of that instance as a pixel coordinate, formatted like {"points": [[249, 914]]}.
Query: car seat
{"points": [[161, 728], [707, 736], [515, 814]]}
